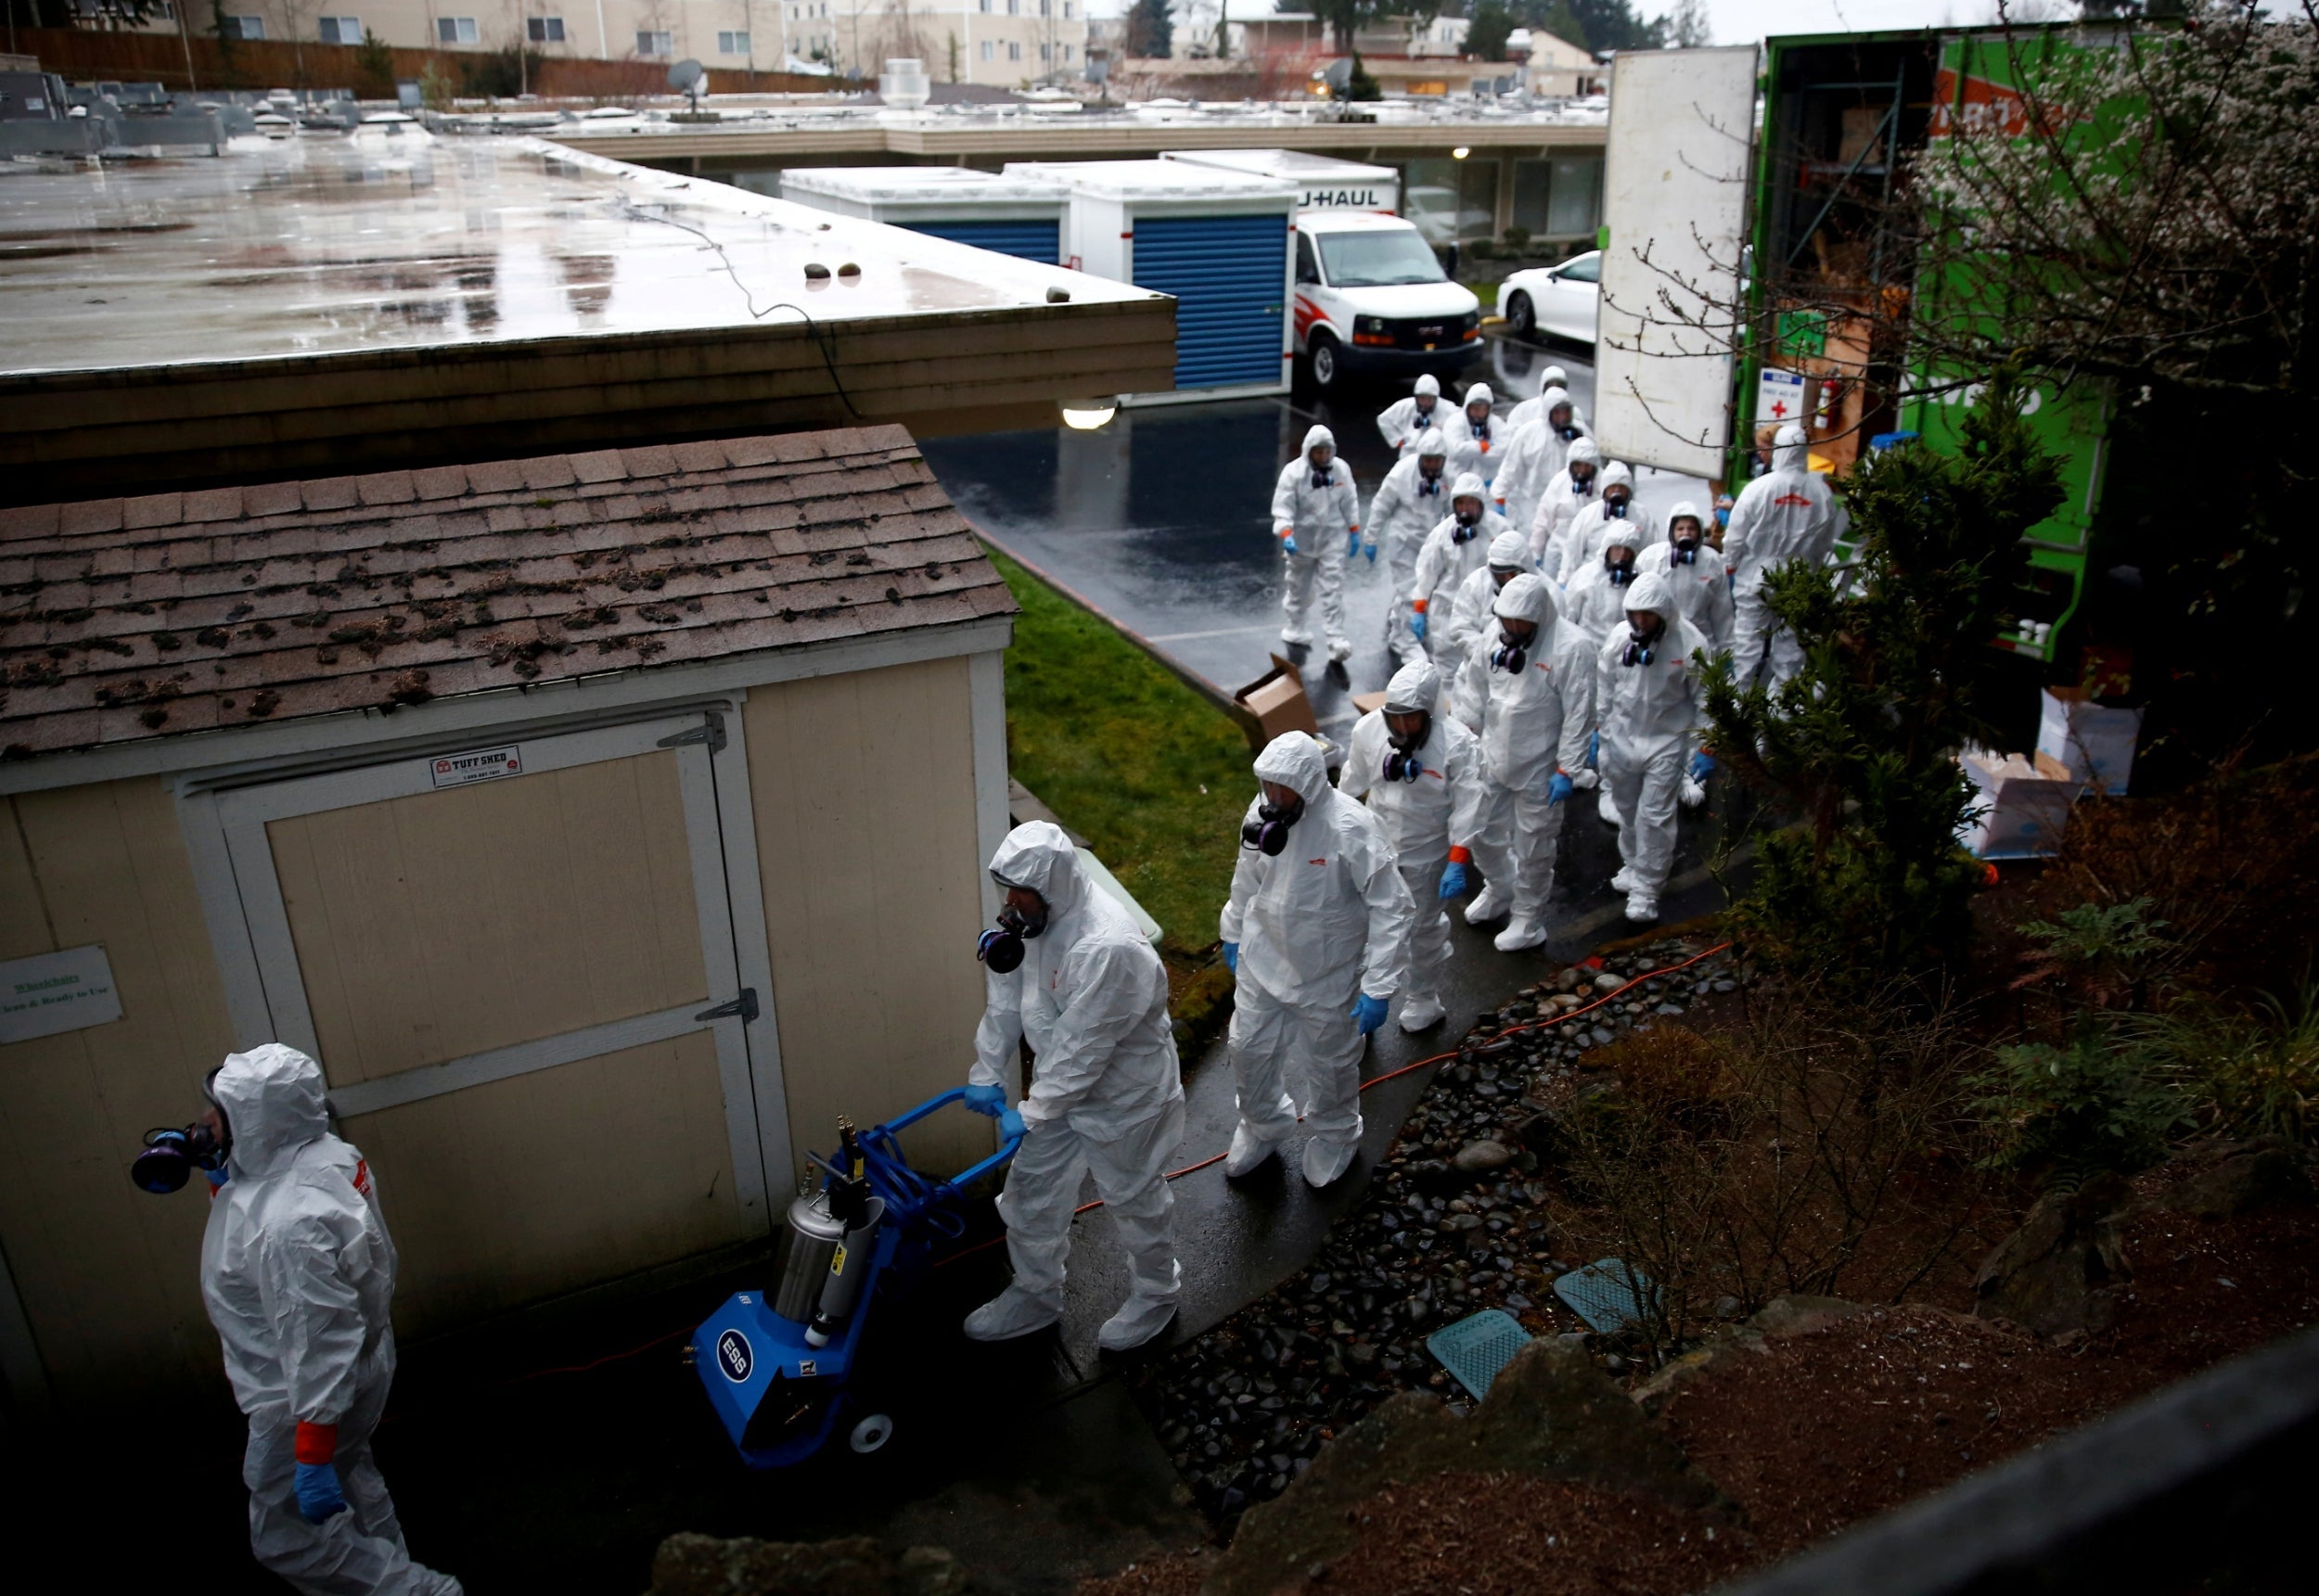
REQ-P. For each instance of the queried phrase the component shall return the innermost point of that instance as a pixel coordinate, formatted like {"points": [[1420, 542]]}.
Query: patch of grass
{"points": [[1154, 776]]}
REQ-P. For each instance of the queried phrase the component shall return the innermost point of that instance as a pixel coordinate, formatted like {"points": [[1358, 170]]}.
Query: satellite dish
{"points": [[683, 75], [1338, 75]]}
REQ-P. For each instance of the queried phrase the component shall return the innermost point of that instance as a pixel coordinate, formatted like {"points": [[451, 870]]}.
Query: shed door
{"points": [[1229, 276], [515, 965]]}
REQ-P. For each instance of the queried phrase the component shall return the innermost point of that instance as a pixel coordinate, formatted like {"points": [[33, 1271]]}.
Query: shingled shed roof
{"points": [[123, 619]]}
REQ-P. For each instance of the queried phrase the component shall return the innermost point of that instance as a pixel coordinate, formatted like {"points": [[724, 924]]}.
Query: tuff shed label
{"points": [[50, 994], [482, 765]]}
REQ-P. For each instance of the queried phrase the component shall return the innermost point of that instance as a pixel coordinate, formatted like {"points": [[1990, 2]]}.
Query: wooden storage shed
{"points": [[605, 823]]}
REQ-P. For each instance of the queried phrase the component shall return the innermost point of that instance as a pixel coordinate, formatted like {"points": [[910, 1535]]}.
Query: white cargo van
{"points": [[1371, 296]]}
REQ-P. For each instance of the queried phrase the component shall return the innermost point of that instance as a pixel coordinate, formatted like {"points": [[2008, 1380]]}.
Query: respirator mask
{"points": [[1001, 947], [1614, 507], [1430, 482], [1620, 574], [172, 1155], [1583, 486], [1401, 764], [1685, 551], [1467, 525], [1638, 646], [1268, 833], [1512, 654]]}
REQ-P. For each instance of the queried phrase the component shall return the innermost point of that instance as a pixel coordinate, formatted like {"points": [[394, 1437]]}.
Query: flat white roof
{"points": [[1153, 179], [380, 240], [1296, 165], [873, 184]]}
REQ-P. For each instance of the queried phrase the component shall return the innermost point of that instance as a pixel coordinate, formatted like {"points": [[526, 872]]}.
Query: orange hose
{"points": [[1611, 996]]}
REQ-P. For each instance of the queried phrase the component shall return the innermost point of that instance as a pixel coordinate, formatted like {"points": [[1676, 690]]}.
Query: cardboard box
{"points": [[1276, 703], [2094, 741], [2020, 806], [1365, 702]]}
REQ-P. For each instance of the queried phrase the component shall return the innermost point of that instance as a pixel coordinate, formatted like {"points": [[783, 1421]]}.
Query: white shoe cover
{"points": [[1418, 1013], [1642, 908], [1011, 1313], [1247, 1152], [1324, 1163], [1338, 649], [1693, 795], [1623, 881], [1608, 813], [1485, 907], [1521, 935], [1138, 1320], [1295, 637]]}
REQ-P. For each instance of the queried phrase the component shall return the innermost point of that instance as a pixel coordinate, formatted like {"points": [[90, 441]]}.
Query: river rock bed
{"points": [[1452, 1223]]}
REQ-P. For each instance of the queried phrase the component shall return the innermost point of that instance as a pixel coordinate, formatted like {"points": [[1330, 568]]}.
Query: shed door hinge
{"points": [[710, 731], [743, 1008]]}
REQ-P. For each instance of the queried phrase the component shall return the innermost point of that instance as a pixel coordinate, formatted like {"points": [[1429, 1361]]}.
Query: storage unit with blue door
{"points": [[1217, 241], [1017, 216]]}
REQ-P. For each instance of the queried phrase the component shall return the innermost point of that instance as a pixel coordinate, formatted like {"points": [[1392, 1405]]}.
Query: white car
{"points": [[1371, 298], [1561, 301]]}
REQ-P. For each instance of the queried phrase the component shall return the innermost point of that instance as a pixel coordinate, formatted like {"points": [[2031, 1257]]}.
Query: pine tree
{"points": [[1860, 746], [1151, 30]]}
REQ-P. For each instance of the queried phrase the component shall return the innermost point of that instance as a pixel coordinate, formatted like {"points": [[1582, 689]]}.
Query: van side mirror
{"points": [[1449, 259]]}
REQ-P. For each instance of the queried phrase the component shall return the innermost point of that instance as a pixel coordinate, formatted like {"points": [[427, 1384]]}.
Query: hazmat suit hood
{"points": [[1294, 760], [1428, 385], [1554, 376], [1416, 687], [1653, 591], [1469, 486], [1314, 437], [1622, 535], [1527, 597], [1478, 395], [1429, 441], [1791, 449], [1615, 475], [1039, 856], [272, 1097], [1685, 507], [1509, 549], [1584, 449]]}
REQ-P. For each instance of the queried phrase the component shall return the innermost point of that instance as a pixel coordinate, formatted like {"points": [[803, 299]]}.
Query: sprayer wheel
{"points": [[871, 1432]]}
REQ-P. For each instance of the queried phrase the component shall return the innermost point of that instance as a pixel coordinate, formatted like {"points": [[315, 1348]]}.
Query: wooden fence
{"points": [[88, 56]]}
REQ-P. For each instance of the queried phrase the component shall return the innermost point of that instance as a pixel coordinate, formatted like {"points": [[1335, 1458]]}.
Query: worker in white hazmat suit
{"points": [[1592, 608], [1647, 702], [297, 1275], [1539, 403], [1789, 512], [1571, 491], [1536, 442], [1533, 736], [1452, 551], [1405, 421], [1703, 589], [1420, 771], [1316, 931], [1467, 611], [1614, 502], [1409, 504], [1317, 516], [1091, 997], [1477, 440]]}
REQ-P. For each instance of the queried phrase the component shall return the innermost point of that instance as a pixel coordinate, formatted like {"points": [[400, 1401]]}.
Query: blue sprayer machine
{"points": [[778, 1366]]}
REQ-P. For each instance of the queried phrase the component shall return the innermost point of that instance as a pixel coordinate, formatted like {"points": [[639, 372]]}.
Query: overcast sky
{"points": [[1737, 22]]}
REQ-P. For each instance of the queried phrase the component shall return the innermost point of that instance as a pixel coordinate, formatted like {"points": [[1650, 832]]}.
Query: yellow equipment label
{"points": [[837, 1261]]}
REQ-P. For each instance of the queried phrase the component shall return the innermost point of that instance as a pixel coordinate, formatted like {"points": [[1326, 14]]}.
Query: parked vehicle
{"points": [[1562, 301], [1371, 296]]}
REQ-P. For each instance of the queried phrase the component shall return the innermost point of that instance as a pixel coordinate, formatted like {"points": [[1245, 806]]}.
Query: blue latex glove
{"points": [[1232, 957], [1417, 625], [1353, 543], [1369, 550], [1453, 880], [1702, 765], [319, 1494], [1289, 543], [1010, 1125], [1369, 1012], [990, 1100], [1559, 787], [1593, 750]]}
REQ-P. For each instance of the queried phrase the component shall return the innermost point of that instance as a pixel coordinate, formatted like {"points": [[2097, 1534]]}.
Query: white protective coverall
{"points": [[1536, 407], [1402, 423], [1451, 553], [1594, 606], [1702, 590], [1479, 447], [1322, 922], [1582, 541], [1468, 611], [297, 1275], [1105, 1094], [1318, 508], [1534, 723], [1650, 718], [1533, 453], [1559, 506], [1429, 820], [1789, 512], [1407, 506]]}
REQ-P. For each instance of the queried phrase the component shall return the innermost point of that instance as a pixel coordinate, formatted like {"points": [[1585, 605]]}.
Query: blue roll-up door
{"points": [[1031, 240], [1229, 276]]}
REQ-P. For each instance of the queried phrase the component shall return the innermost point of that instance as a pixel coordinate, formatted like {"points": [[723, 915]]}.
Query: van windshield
{"points": [[1378, 260]]}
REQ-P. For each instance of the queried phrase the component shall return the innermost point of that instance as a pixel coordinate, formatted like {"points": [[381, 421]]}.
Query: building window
{"points": [[986, 8], [1014, 7], [651, 42], [1043, 6], [543, 29], [1046, 52], [341, 30], [1014, 51], [732, 43], [1067, 54], [986, 49], [242, 27], [456, 31]]}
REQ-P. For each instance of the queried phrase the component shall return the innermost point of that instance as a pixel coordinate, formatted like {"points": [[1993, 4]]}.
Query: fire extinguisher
{"points": [[1831, 391]]}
